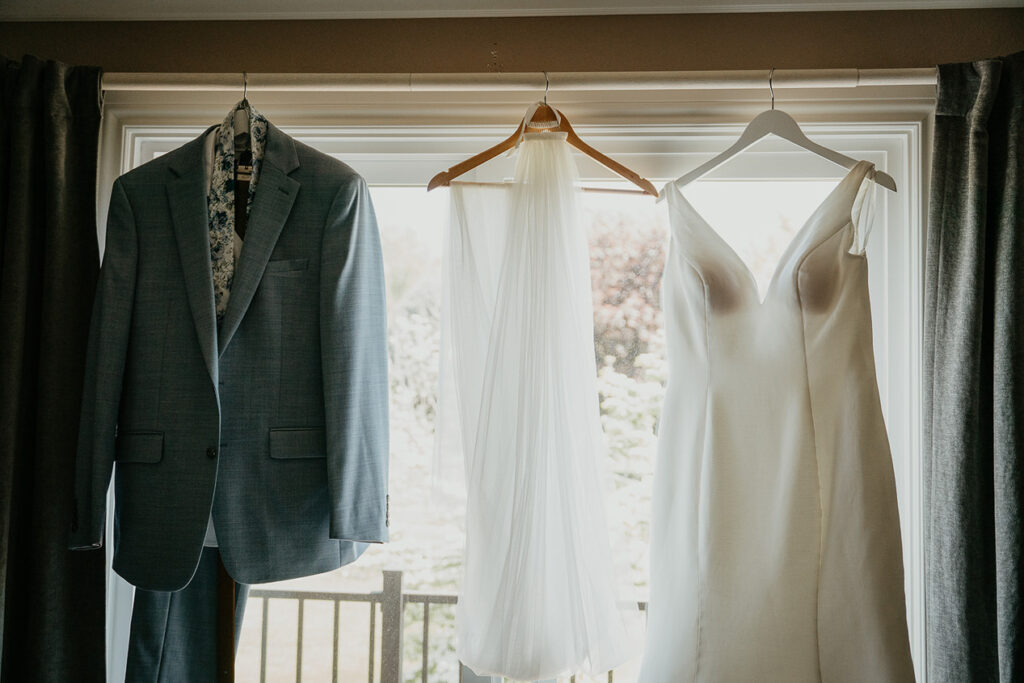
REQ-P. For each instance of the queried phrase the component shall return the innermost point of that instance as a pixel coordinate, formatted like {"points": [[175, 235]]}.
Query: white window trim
{"points": [[667, 135]]}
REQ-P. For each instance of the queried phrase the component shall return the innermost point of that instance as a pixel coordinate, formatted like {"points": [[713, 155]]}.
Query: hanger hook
{"points": [[245, 84], [770, 88], [546, 84]]}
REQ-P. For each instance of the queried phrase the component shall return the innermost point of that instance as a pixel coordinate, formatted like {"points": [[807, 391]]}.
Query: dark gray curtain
{"points": [[51, 598], [974, 375]]}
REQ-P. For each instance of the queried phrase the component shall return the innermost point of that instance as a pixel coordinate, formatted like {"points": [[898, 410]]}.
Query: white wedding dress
{"points": [[538, 598], [775, 537]]}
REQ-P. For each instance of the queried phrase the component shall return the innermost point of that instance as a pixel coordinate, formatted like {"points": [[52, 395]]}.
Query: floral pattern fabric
{"points": [[220, 198]]}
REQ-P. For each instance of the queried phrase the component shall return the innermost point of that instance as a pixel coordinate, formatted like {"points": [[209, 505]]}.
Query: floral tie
{"points": [[220, 199]]}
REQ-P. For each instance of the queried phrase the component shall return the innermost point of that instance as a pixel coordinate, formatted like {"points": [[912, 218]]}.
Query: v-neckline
{"points": [[794, 240]]}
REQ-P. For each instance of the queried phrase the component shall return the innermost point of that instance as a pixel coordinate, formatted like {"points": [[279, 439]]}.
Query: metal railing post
{"points": [[392, 609], [466, 675]]}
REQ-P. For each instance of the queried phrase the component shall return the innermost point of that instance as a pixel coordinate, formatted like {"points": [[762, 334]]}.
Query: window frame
{"points": [[400, 144]]}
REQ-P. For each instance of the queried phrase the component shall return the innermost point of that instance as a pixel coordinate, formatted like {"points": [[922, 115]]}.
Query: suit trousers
{"points": [[174, 633]]}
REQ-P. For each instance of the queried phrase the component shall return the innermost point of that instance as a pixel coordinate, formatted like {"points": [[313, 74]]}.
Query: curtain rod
{"points": [[557, 80]]}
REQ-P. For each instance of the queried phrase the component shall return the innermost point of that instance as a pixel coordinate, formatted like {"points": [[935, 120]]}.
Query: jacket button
{"points": [[211, 452]]}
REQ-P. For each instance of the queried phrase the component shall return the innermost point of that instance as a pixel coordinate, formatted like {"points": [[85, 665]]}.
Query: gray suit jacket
{"points": [[282, 414]]}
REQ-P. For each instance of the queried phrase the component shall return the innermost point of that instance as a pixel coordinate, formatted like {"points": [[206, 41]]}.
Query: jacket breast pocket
{"points": [[298, 442], [146, 447], [287, 267]]}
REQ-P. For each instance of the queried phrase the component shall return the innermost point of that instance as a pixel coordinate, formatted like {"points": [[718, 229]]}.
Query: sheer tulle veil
{"points": [[519, 411]]}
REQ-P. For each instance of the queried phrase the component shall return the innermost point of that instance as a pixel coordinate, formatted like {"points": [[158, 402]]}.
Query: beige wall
{"points": [[593, 43]]}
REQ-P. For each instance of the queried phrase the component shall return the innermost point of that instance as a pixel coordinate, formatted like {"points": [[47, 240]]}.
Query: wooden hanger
{"points": [[776, 122], [542, 117]]}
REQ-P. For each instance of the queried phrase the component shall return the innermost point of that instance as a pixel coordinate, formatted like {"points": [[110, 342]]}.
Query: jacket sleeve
{"points": [[104, 373], [353, 344]]}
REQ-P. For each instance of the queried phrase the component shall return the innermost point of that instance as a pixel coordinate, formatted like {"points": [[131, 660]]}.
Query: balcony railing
{"points": [[392, 602]]}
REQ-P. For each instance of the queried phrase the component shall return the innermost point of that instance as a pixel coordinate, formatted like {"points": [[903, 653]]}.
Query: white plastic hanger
{"points": [[777, 122]]}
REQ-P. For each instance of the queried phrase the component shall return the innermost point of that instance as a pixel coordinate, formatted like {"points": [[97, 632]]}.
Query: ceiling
{"points": [[151, 10]]}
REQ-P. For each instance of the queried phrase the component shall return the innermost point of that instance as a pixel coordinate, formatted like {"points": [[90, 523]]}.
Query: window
{"points": [[627, 241]]}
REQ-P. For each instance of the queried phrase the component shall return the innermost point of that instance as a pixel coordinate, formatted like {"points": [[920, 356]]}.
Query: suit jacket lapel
{"points": [[186, 196], [275, 193]]}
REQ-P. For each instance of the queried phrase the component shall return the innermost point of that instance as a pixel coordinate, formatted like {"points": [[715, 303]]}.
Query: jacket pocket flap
{"points": [[298, 442], [287, 265], [139, 447]]}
